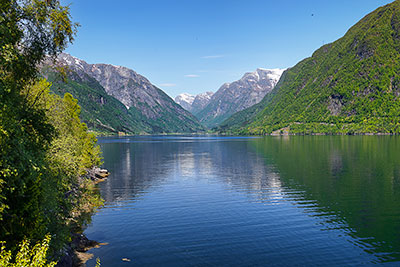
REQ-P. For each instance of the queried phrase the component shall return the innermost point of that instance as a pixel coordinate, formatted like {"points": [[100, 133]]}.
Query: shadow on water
{"points": [[250, 201]]}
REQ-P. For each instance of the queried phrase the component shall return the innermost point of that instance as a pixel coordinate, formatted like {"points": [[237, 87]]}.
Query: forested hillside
{"points": [[117, 99], [349, 86], [101, 112]]}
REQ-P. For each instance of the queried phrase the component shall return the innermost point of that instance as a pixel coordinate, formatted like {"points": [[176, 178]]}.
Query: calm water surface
{"points": [[220, 201]]}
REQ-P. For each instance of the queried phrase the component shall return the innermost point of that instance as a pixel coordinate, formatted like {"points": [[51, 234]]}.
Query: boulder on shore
{"points": [[97, 173]]}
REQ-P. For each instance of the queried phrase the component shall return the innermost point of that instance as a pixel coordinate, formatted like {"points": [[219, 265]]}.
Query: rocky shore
{"points": [[75, 254], [97, 174]]}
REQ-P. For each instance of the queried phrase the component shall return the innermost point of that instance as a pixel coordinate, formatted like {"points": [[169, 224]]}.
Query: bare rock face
{"points": [[194, 103], [200, 101], [122, 83], [130, 88], [133, 90], [236, 96]]}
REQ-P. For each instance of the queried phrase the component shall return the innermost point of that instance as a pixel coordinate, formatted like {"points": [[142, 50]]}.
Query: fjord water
{"points": [[221, 201]]}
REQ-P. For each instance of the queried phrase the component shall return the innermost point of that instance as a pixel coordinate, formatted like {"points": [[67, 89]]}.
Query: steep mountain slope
{"points": [[185, 100], [194, 103], [100, 111], [233, 97], [235, 124], [349, 86], [149, 107], [200, 102]]}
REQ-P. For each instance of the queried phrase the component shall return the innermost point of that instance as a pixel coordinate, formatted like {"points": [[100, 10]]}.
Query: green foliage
{"points": [[71, 153], [207, 117], [44, 148], [350, 86], [100, 111], [29, 30], [27, 256], [106, 115], [170, 122]]}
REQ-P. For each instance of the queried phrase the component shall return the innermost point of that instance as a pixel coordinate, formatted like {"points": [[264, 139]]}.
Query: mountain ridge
{"points": [[350, 86], [194, 103], [185, 100], [238, 95], [147, 106]]}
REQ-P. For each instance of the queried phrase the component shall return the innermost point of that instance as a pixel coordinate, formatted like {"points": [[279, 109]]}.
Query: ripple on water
{"points": [[183, 201]]}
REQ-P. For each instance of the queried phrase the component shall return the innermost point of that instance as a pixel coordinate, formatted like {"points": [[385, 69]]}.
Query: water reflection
{"points": [[234, 201], [139, 165], [355, 178]]}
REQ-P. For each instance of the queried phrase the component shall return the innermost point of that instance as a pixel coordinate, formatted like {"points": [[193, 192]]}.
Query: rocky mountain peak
{"points": [[259, 74], [200, 101], [72, 62], [135, 91], [185, 100], [129, 87], [193, 103], [349, 86], [205, 95], [238, 95]]}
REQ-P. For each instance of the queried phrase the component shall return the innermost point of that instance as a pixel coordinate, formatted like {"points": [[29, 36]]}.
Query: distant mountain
{"points": [[349, 86], [100, 111], [149, 109], [236, 96], [193, 103], [185, 100], [201, 101]]}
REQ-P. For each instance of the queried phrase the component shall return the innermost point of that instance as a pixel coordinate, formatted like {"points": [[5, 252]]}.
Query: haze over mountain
{"points": [[236, 96], [194, 103], [147, 108], [349, 86], [185, 100]]}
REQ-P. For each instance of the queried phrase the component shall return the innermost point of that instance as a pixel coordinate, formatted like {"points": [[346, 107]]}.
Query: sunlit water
{"points": [[220, 201]]}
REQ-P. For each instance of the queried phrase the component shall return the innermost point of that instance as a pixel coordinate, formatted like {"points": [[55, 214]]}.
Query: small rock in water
{"points": [[125, 259]]}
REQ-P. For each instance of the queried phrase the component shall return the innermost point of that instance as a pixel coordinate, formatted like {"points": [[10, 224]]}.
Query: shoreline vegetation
{"points": [[281, 132], [76, 251], [349, 86], [48, 158]]}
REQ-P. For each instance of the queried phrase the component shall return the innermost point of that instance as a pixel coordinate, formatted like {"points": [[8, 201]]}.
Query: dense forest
{"points": [[350, 86], [45, 150]]}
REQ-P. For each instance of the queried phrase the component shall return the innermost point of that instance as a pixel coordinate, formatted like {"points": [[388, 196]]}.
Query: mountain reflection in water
{"points": [[216, 201]]}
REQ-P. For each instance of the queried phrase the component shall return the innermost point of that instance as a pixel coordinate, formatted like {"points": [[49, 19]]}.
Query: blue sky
{"points": [[197, 45]]}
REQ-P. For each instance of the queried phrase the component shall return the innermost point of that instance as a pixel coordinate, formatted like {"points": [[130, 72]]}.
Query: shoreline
{"points": [[76, 253], [260, 135]]}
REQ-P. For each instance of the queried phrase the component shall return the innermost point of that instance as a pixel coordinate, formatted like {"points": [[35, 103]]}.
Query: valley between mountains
{"points": [[350, 86], [95, 156], [117, 100]]}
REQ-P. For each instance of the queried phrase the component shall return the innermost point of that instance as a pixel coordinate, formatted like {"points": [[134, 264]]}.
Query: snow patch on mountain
{"points": [[185, 100], [241, 94]]}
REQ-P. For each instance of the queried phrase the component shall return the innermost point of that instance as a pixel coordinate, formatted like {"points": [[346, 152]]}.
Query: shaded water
{"points": [[220, 201]]}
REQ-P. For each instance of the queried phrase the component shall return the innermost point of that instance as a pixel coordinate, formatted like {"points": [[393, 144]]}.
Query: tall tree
{"points": [[30, 30]]}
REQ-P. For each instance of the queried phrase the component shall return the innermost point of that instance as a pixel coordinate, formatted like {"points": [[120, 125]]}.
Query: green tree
{"points": [[27, 256], [68, 196], [30, 30]]}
